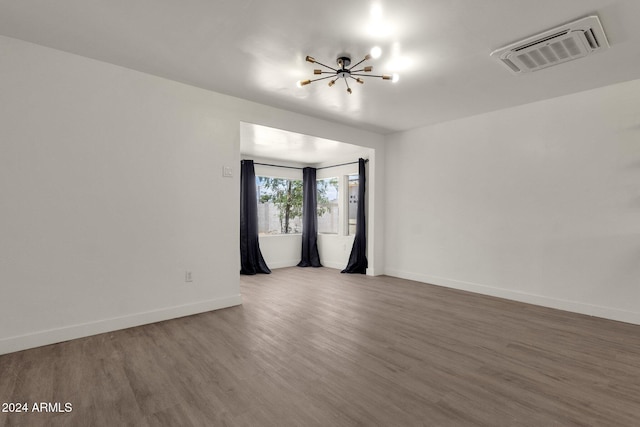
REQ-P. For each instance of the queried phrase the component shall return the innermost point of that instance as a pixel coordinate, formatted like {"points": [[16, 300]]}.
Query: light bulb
{"points": [[376, 52], [395, 77]]}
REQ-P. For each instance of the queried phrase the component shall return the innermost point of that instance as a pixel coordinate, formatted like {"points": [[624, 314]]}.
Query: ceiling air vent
{"points": [[562, 44]]}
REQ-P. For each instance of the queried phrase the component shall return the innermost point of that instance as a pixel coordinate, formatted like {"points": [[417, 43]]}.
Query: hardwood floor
{"points": [[315, 347]]}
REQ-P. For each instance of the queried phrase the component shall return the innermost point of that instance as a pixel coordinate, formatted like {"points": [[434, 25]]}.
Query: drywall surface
{"points": [[112, 189], [335, 250], [282, 250], [539, 203]]}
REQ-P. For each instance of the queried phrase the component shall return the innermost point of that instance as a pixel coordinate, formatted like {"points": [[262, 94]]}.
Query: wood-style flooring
{"points": [[313, 347]]}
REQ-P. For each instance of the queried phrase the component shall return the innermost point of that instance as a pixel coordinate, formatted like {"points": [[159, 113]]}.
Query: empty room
{"points": [[295, 213]]}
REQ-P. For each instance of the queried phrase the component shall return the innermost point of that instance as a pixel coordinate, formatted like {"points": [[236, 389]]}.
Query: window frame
{"points": [[342, 173], [274, 173], [339, 203]]}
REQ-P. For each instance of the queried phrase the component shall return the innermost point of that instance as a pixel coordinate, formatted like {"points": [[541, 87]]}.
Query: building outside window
{"points": [[328, 206], [353, 182]]}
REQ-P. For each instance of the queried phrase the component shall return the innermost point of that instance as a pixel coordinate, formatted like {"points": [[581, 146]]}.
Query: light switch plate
{"points": [[227, 171]]}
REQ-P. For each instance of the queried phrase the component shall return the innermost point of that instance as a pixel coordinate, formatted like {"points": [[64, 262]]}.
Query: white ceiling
{"points": [[268, 143], [255, 49]]}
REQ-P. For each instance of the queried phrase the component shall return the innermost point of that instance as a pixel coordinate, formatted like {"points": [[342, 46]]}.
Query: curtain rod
{"points": [[294, 167], [277, 166]]}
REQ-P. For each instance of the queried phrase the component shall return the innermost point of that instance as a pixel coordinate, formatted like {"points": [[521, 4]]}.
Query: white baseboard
{"points": [[283, 264], [342, 265], [51, 336], [560, 304], [335, 265]]}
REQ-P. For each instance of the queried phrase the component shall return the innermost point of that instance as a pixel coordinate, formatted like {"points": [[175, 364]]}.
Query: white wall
{"points": [[281, 251], [111, 187], [334, 250], [539, 203]]}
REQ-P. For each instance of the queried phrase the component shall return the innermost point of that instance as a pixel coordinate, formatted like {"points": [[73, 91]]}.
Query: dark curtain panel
{"points": [[251, 261], [310, 255], [358, 258]]}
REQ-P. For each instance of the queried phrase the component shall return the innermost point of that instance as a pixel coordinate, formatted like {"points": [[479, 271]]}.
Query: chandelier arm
{"points": [[348, 88], [357, 71], [367, 75], [321, 78], [353, 66], [326, 66]]}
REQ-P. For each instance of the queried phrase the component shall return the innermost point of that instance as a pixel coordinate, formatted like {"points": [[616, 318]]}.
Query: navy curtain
{"points": [[358, 258], [310, 256], [251, 261]]}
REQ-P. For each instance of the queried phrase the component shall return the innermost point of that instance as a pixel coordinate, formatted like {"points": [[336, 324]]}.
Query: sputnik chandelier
{"points": [[347, 72]]}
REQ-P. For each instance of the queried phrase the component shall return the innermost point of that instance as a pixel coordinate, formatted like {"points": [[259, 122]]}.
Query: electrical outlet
{"points": [[188, 277]]}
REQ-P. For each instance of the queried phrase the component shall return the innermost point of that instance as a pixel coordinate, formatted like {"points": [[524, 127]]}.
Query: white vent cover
{"points": [[565, 43]]}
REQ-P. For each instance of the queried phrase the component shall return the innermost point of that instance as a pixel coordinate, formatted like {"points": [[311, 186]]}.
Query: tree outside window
{"points": [[280, 204]]}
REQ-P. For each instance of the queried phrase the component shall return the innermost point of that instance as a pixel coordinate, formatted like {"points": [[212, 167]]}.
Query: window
{"points": [[354, 181], [328, 206], [279, 205]]}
